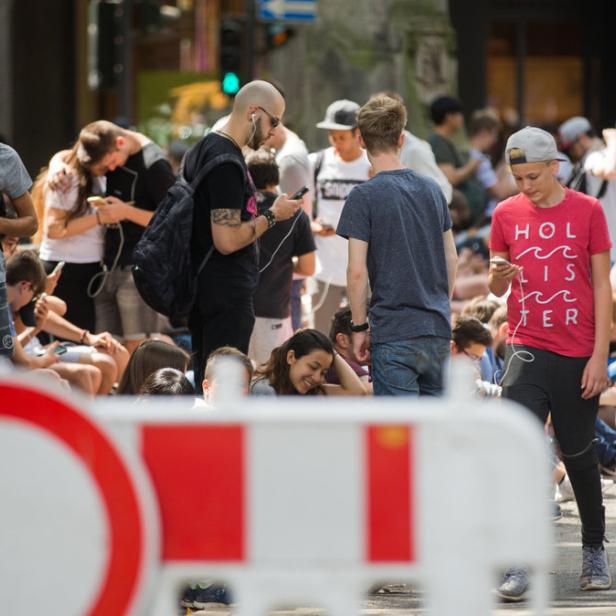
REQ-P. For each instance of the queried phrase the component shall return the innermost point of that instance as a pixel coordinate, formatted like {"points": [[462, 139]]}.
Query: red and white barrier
{"points": [[108, 511]]}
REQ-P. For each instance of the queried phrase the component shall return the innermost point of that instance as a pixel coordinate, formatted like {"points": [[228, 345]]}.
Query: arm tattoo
{"points": [[226, 218]]}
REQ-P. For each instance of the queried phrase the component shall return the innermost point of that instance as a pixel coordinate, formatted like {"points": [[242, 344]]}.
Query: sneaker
{"points": [[564, 491], [198, 596], [595, 569], [514, 585], [211, 593], [557, 512]]}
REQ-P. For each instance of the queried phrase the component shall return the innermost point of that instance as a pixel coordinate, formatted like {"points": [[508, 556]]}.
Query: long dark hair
{"points": [[276, 370], [147, 358]]}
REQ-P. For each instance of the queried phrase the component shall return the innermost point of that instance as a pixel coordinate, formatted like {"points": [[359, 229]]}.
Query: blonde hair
{"points": [[381, 122]]}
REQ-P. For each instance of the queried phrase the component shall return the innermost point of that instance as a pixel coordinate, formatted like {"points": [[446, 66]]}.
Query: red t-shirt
{"points": [[554, 304]]}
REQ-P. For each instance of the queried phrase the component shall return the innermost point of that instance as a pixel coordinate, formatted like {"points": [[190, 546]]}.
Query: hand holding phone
{"points": [[58, 268], [300, 193], [96, 200], [499, 261]]}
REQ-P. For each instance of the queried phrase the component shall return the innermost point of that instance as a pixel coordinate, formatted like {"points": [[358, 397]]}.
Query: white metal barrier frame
{"points": [[305, 534]]}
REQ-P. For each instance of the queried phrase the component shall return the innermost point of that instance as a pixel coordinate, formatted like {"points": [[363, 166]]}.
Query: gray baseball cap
{"points": [[571, 130], [531, 145], [340, 115]]}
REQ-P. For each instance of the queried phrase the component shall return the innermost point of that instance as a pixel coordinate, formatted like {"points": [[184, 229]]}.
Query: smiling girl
{"points": [[298, 367]]}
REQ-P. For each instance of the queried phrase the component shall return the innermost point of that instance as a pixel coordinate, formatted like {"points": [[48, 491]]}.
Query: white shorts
{"points": [[267, 334]]}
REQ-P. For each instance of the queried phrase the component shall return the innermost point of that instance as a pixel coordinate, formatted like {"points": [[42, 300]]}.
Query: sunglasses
{"points": [[273, 119]]}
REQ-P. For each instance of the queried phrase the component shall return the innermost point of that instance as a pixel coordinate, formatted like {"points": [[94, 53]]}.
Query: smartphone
{"points": [[499, 261], [300, 193], [96, 200], [59, 350], [58, 268]]}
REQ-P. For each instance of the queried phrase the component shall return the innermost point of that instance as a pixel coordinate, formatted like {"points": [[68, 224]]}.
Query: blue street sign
{"points": [[287, 10]]}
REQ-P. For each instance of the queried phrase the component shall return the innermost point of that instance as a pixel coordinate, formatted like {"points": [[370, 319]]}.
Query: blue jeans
{"points": [[605, 442], [411, 367], [6, 339]]}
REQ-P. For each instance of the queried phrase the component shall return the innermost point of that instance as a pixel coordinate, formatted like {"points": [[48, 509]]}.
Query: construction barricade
{"points": [[109, 507]]}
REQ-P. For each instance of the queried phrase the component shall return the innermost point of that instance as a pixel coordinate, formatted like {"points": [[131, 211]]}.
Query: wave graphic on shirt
{"points": [[538, 294], [537, 250]]}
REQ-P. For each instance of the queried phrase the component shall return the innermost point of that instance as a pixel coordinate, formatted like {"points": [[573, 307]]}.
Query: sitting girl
{"points": [[298, 367]]}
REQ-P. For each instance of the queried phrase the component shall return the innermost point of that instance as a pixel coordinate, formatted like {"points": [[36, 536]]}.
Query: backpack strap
{"points": [[602, 190], [318, 163], [214, 162]]}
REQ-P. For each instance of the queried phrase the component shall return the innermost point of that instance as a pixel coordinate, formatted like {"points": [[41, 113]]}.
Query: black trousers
{"points": [[219, 319], [552, 384], [73, 289]]}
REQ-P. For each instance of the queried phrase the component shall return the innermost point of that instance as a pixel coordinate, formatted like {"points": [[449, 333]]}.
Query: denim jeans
{"points": [[6, 339], [605, 442], [411, 367]]}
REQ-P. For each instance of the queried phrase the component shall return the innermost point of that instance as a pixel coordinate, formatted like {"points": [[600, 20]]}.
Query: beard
{"points": [[257, 137]]}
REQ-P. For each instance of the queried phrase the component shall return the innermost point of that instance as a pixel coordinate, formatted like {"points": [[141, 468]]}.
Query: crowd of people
{"points": [[355, 270]]}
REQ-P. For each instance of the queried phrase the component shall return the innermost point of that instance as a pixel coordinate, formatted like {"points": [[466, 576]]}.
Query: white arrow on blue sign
{"points": [[287, 10]]}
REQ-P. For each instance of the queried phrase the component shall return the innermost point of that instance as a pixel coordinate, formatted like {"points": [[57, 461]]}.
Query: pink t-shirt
{"points": [[554, 303]]}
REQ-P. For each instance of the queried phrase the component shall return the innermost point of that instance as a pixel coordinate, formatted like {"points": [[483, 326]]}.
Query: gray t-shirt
{"points": [[14, 179], [402, 215]]}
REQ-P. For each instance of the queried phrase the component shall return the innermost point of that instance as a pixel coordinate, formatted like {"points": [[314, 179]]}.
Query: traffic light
{"points": [[231, 60], [276, 35]]}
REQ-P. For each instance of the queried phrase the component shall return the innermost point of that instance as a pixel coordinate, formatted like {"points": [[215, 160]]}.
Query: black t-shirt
{"points": [[274, 290], [225, 187], [145, 179]]}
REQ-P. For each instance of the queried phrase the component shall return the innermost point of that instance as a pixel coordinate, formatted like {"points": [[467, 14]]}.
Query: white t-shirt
{"points": [[87, 247], [335, 181], [417, 155], [608, 201], [295, 169]]}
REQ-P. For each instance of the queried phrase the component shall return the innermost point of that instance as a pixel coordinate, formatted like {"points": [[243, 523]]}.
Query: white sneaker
{"points": [[564, 491]]}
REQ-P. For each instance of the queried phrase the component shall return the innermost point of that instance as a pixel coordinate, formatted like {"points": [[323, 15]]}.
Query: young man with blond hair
{"points": [[402, 248]]}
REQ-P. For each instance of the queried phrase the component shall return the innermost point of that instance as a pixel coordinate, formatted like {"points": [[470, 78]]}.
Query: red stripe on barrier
{"points": [[96, 452], [198, 474], [390, 507]]}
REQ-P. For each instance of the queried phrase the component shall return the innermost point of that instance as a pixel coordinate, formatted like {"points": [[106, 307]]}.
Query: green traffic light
{"points": [[230, 83]]}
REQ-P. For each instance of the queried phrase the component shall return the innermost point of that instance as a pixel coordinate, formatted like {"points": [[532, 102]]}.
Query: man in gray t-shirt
{"points": [[15, 184], [400, 241]]}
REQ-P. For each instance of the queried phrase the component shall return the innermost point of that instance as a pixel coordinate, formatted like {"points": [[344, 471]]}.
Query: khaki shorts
{"points": [[121, 311], [267, 334]]}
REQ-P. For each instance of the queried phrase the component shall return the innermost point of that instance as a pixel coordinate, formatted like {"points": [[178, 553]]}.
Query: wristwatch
{"points": [[270, 217], [360, 328]]}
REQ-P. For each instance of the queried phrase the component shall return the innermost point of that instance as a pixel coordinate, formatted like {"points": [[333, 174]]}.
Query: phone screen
{"points": [[300, 193]]}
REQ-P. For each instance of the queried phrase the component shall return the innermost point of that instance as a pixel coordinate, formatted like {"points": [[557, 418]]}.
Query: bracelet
{"points": [[83, 336], [362, 327], [98, 217], [270, 217]]}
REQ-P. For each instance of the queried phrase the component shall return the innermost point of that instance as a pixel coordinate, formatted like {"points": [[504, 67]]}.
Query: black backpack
{"points": [[163, 270]]}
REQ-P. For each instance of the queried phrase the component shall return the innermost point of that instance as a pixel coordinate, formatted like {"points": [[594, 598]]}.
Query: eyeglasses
{"points": [[472, 355], [273, 119]]}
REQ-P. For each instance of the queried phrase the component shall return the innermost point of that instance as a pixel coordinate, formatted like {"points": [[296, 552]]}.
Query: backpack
{"points": [[163, 270], [578, 181]]}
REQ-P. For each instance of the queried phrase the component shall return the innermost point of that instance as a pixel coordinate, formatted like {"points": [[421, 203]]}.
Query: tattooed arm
{"points": [[230, 233]]}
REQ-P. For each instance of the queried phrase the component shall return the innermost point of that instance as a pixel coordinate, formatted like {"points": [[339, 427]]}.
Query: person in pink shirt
{"points": [[550, 247]]}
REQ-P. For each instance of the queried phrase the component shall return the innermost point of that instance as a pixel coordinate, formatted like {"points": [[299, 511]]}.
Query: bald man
{"points": [[226, 224]]}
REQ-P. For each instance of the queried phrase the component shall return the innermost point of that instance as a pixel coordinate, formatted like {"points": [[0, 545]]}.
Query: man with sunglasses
{"points": [[226, 224]]}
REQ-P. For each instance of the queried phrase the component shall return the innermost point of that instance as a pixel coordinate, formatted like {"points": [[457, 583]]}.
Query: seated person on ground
{"points": [[167, 382], [148, 357], [340, 336], [210, 380], [298, 368]]}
